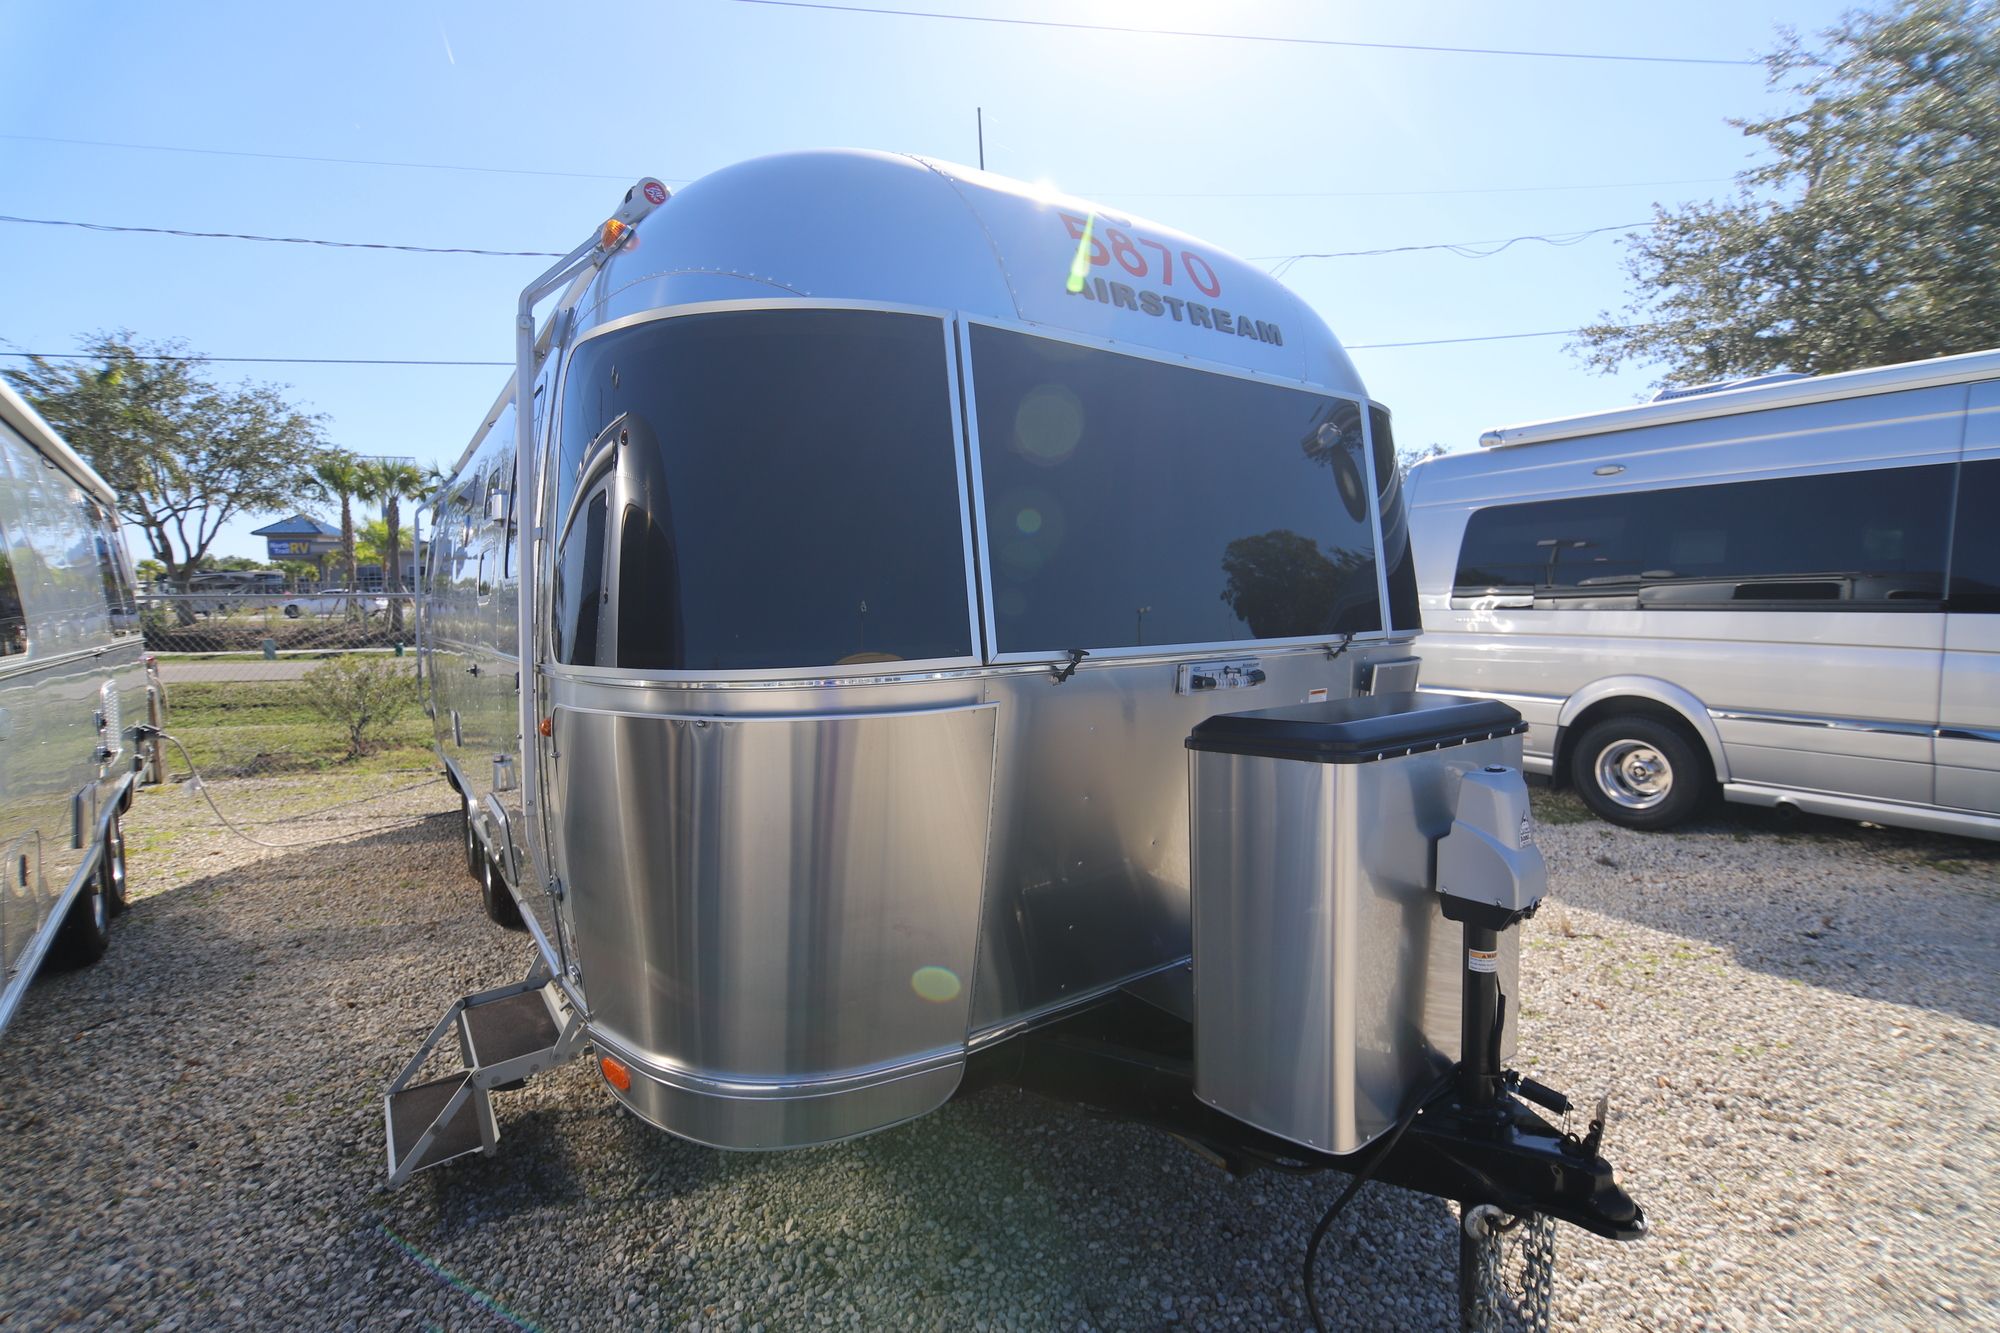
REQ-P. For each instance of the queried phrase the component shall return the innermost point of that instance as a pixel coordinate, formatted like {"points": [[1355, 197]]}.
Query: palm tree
{"points": [[389, 482], [338, 473]]}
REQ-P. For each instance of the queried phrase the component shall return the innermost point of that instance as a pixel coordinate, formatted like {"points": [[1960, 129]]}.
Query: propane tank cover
{"points": [[1489, 856]]}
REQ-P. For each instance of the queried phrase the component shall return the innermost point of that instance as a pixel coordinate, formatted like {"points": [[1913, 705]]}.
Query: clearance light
{"points": [[548, 727], [614, 232], [616, 1074]]}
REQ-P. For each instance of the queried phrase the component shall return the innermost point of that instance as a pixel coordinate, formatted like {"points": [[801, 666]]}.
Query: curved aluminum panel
{"points": [[776, 900]]}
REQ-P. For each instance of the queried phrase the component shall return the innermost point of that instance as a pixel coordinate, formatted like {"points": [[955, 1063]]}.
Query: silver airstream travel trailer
{"points": [[895, 619], [71, 668], [1788, 591]]}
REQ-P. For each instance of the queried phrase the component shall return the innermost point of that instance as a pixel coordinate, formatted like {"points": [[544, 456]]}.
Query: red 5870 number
{"points": [[1141, 256]]}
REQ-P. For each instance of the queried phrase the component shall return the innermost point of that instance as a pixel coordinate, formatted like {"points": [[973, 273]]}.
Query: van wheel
{"points": [[1638, 772], [86, 932], [500, 905], [475, 855], [111, 870]]}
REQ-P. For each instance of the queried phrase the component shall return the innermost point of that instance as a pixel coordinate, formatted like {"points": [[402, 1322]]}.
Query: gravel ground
{"points": [[1797, 1029]]}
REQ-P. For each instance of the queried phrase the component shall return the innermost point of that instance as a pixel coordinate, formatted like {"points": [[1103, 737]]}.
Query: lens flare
{"points": [[939, 985]]}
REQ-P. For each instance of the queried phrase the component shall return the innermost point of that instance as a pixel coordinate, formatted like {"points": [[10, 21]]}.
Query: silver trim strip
{"points": [[1877, 726], [1991, 737]]}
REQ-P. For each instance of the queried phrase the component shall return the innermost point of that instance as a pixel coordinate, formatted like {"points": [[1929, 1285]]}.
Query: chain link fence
{"points": [[261, 685]]}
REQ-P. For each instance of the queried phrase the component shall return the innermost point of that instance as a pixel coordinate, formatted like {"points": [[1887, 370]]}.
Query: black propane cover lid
{"points": [[1359, 730]]}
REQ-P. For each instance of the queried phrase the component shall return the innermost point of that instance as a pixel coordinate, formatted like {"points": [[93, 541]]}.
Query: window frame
{"points": [[1141, 652], [546, 552]]}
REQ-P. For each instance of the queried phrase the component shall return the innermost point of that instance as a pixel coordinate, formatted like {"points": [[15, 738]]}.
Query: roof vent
{"points": [[1667, 395]]}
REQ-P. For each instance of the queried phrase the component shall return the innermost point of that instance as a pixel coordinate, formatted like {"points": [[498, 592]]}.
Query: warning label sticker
{"points": [[1482, 960]]}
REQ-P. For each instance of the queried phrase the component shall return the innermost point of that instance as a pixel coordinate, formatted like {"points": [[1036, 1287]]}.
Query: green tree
{"points": [[336, 474], [1871, 236], [388, 482], [184, 454]]}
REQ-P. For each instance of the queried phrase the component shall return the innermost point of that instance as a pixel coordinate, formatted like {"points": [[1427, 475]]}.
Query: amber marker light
{"points": [[616, 1074], [548, 727], [613, 230]]}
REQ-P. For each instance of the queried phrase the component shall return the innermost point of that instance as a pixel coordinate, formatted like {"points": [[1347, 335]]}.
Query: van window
{"points": [[781, 490], [1851, 540], [1134, 503], [1396, 552], [1975, 540], [111, 571]]}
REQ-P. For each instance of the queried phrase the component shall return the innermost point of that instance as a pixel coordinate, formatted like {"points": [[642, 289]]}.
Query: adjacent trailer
{"points": [[71, 670], [901, 630]]}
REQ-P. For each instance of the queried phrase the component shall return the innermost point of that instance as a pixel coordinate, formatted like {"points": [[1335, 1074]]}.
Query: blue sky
{"points": [[1263, 149]]}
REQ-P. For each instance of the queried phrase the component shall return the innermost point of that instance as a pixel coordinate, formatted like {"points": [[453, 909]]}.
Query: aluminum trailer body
{"points": [[822, 818], [1790, 590], [71, 673]]}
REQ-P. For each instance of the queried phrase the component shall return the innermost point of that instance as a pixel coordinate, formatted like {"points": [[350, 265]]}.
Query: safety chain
{"points": [[1496, 1305]]}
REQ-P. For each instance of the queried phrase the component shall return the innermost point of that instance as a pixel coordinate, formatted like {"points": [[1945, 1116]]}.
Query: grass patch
{"points": [[261, 728], [1558, 807]]}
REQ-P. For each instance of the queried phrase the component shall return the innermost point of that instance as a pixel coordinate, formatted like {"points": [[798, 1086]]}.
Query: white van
{"points": [[1788, 589], [71, 670]]}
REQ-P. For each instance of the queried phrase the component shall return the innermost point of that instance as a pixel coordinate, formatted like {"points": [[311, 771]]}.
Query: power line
{"points": [[373, 361], [1440, 342], [1251, 37], [1130, 194], [287, 240], [263, 360], [1388, 194], [1281, 264], [342, 161]]}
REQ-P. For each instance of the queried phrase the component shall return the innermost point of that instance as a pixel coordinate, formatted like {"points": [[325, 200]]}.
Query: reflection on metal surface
{"points": [[777, 904]]}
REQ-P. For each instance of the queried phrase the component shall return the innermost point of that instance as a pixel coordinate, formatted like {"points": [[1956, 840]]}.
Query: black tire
{"points": [[1639, 772], [293, 612], [111, 870], [475, 855], [501, 908], [86, 931]]}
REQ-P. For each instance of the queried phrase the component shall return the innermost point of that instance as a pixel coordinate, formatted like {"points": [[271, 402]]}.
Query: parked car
{"points": [[1790, 591], [333, 602]]}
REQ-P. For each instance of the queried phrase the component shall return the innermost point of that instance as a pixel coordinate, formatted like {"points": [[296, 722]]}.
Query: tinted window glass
{"points": [[1854, 538], [781, 489], [580, 593], [1975, 539], [1396, 551], [1135, 503], [13, 621]]}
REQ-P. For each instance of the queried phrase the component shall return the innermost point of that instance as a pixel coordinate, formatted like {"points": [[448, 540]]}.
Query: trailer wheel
{"points": [[1638, 772], [500, 905], [1506, 1271], [293, 611], [111, 869], [86, 932]]}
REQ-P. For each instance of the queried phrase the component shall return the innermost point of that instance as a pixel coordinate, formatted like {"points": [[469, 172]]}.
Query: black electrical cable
{"points": [[1366, 1174]]}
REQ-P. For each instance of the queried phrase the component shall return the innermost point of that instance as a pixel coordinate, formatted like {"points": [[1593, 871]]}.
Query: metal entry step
{"points": [[504, 1036]]}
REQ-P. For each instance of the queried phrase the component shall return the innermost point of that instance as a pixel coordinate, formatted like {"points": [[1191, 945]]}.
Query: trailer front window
{"points": [[1134, 503], [757, 490]]}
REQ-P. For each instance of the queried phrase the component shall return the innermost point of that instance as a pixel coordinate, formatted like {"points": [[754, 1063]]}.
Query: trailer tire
{"points": [[501, 908], [293, 611], [86, 931], [1638, 772], [111, 869]]}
